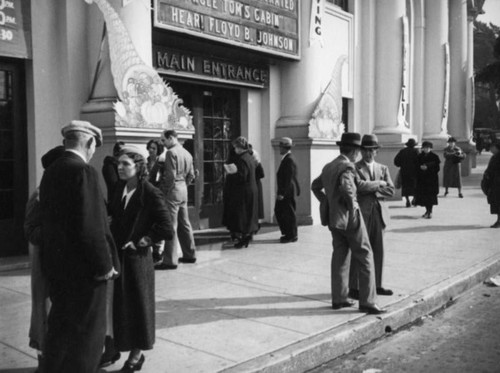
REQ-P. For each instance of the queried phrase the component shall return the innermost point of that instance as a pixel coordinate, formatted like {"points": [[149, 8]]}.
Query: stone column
{"points": [[437, 78], [391, 72]]}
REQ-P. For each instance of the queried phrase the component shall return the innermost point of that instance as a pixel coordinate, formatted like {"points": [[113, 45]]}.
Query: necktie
{"points": [[123, 202]]}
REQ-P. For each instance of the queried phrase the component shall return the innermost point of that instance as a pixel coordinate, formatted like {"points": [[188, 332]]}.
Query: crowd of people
{"points": [[93, 259]]}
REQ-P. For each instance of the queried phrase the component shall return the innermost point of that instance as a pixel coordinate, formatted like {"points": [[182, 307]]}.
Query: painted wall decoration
{"points": [[403, 99], [326, 121], [145, 100]]}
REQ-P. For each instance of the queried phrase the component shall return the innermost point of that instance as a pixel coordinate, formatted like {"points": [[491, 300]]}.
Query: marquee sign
{"points": [[270, 26], [179, 63], [15, 32]]}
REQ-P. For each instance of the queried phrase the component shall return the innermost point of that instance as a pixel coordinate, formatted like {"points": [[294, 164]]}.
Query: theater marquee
{"points": [[270, 26]]}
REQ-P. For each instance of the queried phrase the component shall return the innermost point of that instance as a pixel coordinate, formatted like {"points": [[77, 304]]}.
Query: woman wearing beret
{"points": [[427, 179], [138, 218], [241, 202], [452, 173]]}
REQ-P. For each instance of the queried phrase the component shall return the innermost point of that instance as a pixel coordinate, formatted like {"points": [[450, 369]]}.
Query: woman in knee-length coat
{"points": [[427, 179], [138, 219]]}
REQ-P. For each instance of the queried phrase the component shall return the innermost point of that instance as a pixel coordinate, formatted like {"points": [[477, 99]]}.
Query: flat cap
{"points": [[85, 127], [134, 149]]}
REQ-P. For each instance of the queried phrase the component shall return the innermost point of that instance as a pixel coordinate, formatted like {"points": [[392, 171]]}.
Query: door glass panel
{"points": [[6, 147]]}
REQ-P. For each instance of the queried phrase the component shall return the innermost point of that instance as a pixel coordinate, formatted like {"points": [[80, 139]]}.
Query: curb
{"points": [[321, 348], [14, 263]]}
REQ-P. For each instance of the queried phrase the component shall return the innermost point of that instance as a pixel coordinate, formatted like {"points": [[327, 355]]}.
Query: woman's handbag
{"points": [[397, 181]]}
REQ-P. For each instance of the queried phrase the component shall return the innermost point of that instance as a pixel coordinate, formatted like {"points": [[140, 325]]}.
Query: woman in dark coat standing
{"points": [[406, 159], [427, 179], [138, 218], [241, 200], [452, 173], [491, 183]]}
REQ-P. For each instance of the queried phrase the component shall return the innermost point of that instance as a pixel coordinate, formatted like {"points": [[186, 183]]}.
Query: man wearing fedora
{"points": [[78, 253], [373, 209], [338, 184], [288, 187], [406, 159]]}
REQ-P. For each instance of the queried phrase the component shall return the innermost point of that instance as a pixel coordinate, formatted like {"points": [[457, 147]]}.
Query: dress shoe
{"points": [[382, 291], [337, 306], [496, 225], [460, 195], [372, 310], [187, 260], [108, 359], [354, 294], [164, 266], [445, 194], [133, 367], [285, 239]]}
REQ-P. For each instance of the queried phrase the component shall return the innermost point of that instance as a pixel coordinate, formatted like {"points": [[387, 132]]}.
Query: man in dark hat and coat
{"points": [[288, 187], [78, 253], [406, 159], [338, 184], [375, 214]]}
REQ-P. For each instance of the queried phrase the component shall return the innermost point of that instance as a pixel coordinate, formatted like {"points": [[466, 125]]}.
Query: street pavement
{"points": [[267, 308]]}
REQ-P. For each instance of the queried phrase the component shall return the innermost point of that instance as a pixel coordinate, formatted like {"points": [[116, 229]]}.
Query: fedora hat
{"points": [[452, 139], [351, 139], [370, 142], [411, 143], [286, 142], [85, 127]]}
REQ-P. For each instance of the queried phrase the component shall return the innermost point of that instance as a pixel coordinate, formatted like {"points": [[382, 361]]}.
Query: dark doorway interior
{"points": [[13, 160], [216, 117]]}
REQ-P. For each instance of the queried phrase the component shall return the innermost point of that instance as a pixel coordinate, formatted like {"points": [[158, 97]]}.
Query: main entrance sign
{"points": [[270, 26]]}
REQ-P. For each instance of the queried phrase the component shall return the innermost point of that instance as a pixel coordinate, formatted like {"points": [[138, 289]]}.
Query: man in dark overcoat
{"points": [[288, 187], [406, 159], [338, 184], [78, 254]]}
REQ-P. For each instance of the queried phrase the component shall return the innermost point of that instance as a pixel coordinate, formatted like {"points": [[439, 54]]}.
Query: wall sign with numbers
{"points": [[15, 34], [270, 26]]}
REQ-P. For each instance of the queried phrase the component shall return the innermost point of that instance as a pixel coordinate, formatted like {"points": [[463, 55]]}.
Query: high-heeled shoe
{"points": [[129, 367]]}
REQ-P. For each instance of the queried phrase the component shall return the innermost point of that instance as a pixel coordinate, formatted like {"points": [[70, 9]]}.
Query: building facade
{"points": [[263, 69]]}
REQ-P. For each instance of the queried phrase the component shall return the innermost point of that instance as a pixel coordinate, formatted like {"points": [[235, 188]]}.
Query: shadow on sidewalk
{"points": [[174, 313]]}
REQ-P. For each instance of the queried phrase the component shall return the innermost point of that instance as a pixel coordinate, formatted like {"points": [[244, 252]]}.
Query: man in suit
{"points": [[373, 209], [178, 173], [339, 181], [78, 253], [288, 187]]}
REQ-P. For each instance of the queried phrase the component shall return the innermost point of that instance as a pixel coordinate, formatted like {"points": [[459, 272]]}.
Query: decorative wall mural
{"points": [[145, 100], [326, 121]]}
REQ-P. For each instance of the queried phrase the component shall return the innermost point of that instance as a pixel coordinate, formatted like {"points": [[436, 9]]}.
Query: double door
{"points": [[216, 117], [13, 160]]}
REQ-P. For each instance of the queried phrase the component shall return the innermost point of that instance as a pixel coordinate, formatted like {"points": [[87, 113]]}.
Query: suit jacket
{"points": [[178, 172], [288, 185], [340, 182], [370, 200], [77, 243]]}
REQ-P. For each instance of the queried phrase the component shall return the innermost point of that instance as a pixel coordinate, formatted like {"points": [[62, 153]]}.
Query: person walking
{"points": [[338, 184], [40, 301], [406, 160], [288, 187], [79, 254], [375, 213], [177, 174], [427, 179], [138, 219], [452, 172], [241, 208], [491, 183]]}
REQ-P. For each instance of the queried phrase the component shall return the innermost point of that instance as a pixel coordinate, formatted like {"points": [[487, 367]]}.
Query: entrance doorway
{"points": [[216, 117], [13, 160]]}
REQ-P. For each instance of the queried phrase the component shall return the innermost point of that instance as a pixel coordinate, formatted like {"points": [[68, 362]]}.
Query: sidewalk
{"points": [[267, 307]]}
